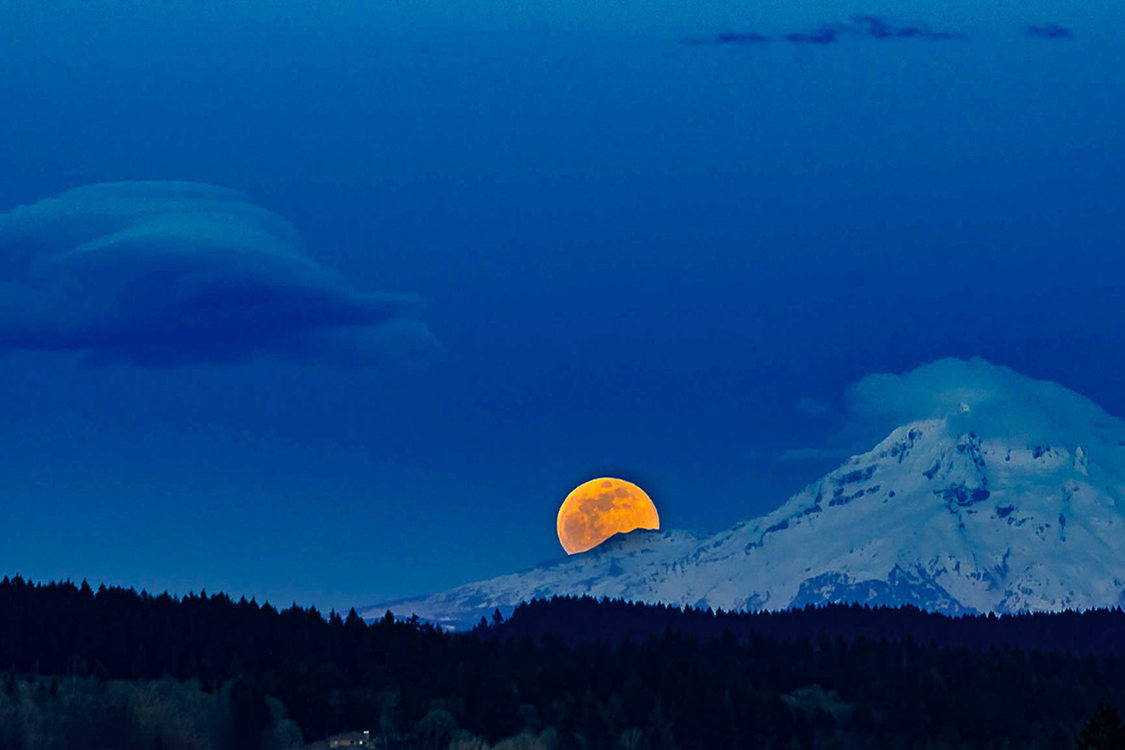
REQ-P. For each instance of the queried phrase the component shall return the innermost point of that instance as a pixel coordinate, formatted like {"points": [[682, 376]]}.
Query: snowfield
{"points": [[1007, 496]]}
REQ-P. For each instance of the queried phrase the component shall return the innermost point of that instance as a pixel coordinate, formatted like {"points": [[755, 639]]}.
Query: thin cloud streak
{"points": [[1048, 31], [866, 26]]}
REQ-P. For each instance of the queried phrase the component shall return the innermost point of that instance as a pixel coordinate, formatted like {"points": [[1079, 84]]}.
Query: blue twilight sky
{"points": [[644, 250]]}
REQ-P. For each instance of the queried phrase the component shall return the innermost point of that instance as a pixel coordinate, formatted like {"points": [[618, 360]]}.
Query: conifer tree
{"points": [[1104, 730]]}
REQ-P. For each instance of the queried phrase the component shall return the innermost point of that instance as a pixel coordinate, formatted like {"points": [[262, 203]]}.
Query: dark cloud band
{"points": [[169, 273], [1048, 31], [865, 26]]}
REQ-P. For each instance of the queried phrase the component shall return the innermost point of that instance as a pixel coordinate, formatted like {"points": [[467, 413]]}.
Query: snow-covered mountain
{"points": [[1009, 495]]}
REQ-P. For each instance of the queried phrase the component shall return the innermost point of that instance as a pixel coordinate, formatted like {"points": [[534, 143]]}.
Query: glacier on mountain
{"points": [[998, 493]]}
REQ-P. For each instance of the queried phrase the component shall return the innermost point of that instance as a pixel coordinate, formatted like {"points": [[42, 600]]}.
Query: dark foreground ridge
{"points": [[117, 668], [585, 619]]}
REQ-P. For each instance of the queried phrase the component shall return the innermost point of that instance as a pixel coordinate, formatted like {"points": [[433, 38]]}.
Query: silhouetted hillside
{"points": [[562, 674], [584, 619]]}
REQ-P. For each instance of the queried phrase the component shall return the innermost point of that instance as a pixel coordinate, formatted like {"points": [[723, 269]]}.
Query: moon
{"points": [[596, 510]]}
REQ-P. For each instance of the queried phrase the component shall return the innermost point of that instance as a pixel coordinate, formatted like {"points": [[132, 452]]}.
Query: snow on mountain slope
{"points": [[628, 566], [1008, 496]]}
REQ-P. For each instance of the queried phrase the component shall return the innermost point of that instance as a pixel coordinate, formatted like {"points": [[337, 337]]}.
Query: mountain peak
{"points": [[989, 400], [996, 493]]}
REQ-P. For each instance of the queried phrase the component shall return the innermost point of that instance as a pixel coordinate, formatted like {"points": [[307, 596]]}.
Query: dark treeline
{"points": [[827, 678], [578, 619]]}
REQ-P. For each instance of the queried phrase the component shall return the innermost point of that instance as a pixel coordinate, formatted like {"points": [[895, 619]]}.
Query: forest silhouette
{"points": [[113, 667]]}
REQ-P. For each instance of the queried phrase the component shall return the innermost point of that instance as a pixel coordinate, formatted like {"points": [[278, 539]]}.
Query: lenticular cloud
{"points": [[169, 273]]}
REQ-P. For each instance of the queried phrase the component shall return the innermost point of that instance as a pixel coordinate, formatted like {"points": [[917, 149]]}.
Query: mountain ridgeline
{"points": [[112, 667], [1006, 495]]}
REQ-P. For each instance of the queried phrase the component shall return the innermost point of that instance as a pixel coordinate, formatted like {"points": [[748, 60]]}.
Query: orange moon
{"points": [[596, 510]]}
